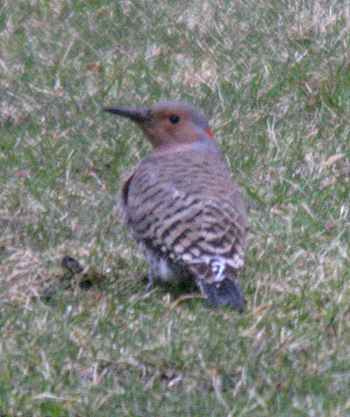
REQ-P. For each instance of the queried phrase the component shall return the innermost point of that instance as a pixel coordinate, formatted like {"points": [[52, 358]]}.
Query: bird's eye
{"points": [[174, 118]]}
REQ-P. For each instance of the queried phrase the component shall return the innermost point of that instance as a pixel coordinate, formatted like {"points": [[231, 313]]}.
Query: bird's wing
{"points": [[195, 228]]}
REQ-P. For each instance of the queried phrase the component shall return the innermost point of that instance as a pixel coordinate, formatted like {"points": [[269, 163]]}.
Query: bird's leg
{"points": [[150, 277]]}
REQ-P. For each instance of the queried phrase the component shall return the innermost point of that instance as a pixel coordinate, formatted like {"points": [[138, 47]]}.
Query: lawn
{"points": [[81, 333]]}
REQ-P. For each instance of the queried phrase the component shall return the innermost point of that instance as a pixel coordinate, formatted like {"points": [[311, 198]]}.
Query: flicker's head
{"points": [[169, 124]]}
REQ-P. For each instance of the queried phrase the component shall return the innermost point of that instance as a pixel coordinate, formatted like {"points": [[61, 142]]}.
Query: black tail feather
{"points": [[225, 292]]}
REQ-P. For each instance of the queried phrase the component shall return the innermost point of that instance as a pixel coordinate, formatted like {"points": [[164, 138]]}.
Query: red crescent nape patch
{"points": [[209, 133]]}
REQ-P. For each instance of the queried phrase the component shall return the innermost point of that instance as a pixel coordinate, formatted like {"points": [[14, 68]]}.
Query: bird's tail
{"points": [[225, 292]]}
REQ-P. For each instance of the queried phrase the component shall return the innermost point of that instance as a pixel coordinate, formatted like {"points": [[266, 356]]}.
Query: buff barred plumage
{"points": [[182, 206]]}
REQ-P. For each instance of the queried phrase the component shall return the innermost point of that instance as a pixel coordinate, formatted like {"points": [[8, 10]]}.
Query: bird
{"points": [[182, 206]]}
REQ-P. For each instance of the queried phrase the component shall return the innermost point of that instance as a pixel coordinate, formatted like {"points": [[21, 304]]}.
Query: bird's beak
{"points": [[138, 115]]}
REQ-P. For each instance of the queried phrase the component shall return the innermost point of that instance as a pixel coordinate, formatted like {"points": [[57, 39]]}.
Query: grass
{"points": [[274, 77]]}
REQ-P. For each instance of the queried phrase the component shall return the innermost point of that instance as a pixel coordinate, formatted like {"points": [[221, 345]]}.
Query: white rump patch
{"points": [[219, 264]]}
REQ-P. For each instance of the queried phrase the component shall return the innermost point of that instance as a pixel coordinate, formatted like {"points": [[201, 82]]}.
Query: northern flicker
{"points": [[182, 206]]}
